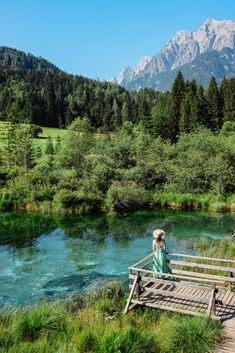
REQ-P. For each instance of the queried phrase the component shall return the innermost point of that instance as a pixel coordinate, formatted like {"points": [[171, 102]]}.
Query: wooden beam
{"points": [[171, 275], [130, 295], [201, 257], [211, 304], [177, 284], [144, 259], [202, 275], [168, 308], [202, 266]]}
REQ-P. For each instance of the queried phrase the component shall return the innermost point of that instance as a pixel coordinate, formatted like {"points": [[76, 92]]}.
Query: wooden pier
{"points": [[197, 285]]}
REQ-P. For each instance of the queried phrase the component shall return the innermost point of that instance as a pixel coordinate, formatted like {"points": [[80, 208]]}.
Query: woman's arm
{"points": [[164, 245], [153, 245]]}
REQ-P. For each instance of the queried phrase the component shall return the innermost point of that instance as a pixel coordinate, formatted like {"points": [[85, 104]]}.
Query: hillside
{"points": [[16, 59], [35, 90]]}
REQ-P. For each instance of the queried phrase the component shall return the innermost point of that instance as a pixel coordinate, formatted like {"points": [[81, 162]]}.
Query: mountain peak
{"points": [[183, 48]]}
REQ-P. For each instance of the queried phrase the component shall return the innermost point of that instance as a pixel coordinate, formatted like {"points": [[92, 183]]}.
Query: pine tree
{"points": [[214, 104], [173, 113], [159, 126], [126, 109], [188, 119], [201, 109], [228, 96], [116, 117], [49, 147]]}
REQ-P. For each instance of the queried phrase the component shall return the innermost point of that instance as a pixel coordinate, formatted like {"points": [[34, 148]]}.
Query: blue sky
{"points": [[98, 38]]}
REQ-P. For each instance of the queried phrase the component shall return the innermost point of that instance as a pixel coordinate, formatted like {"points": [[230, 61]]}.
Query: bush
{"points": [[180, 334], [127, 196], [87, 340], [131, 340], [42, 320], [79, 202]]}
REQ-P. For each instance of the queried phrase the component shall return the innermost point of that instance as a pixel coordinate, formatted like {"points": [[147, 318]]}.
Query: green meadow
{"points": [[42, 138]]}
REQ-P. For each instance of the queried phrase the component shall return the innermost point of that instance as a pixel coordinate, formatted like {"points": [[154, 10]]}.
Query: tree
{"points": [[50, 150], [116, 117], [174, 105], [214, 104], [228, 96], [159, 121], [188, 118], [201, 109], [19, 150]]}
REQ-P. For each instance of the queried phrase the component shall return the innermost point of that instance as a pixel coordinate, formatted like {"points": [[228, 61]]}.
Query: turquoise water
{"points": [[54, 257]]}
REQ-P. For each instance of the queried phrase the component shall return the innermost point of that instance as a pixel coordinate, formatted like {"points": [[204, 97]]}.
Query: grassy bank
{"points": [[95, 323], [68, 203], [190, 201]]}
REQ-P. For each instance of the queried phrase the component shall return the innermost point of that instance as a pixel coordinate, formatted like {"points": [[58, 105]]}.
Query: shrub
{"points": [[126, 196], [105, 306], [87, 340], [131, 340], [180, 334], [42, 320]]}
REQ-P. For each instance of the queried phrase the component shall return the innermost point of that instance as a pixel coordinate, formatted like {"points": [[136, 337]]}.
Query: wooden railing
{"points": [[185, 272], [178, 268]]}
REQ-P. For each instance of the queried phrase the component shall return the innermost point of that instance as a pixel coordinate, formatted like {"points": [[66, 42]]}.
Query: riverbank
{"points": [[96, 323], [155, 200]]}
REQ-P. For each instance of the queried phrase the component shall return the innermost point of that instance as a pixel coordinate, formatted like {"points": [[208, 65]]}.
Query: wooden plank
{"points": [[131, 294], [168, 308], [229, 310], [217, 278], [201, 257], [189, 304], [182, 284], [177, 295], [202, 266]]}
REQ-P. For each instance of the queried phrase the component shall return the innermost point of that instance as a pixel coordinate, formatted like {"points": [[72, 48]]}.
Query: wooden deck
{"points": [[199, 292], [228, 343]]}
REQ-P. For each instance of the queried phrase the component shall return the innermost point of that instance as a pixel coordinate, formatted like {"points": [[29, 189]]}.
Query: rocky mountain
{"points": [[210, 50]]}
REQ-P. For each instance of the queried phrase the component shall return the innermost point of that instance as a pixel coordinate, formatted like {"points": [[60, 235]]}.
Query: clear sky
{"points": [[98, 38]]}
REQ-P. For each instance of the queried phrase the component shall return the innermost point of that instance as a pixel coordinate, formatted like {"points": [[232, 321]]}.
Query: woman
{"points": [[159, 247]]}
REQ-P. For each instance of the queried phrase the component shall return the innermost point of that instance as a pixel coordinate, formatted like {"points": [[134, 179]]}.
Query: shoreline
{"points": [[48, 208]]}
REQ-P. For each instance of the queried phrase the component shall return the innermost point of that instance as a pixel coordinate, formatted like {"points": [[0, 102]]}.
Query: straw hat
{"points": [[157, 233]]}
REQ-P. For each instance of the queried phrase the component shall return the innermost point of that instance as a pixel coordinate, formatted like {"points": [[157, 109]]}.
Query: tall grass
{"points": [[187, 201], [180, 334], [96, 323]]}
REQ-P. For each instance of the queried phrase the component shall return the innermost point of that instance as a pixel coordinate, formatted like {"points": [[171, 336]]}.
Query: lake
{"points": [[44, 257]]}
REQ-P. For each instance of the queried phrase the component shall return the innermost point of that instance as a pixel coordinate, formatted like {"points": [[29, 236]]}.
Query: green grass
{"points": [[96, 323], [41, 140], [187, 201]]}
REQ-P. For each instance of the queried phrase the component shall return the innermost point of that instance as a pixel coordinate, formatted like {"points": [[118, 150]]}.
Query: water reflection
{"points": [[45, 257]]}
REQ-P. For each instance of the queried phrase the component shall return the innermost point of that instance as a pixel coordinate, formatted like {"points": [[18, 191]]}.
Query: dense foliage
{"points": [[32, 89], [175, 147], [84, 172], [95, 323]]}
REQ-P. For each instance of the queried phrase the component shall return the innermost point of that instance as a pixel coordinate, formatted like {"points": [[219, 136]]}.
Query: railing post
{"points": [[138, 285], [229, 275], [213, 300], [211, 304]]}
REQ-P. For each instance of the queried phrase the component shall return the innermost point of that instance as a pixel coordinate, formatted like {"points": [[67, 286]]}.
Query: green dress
{"points": [[159, 260]]}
